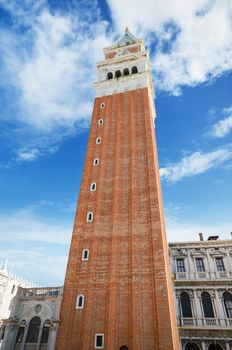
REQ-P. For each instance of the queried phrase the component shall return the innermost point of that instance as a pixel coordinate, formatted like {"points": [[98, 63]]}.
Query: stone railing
{"points": [[203, 275], [39, 292], [204, 322]]}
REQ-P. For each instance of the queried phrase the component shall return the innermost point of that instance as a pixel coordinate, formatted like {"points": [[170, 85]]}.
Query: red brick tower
{"points": [[118, 290]]}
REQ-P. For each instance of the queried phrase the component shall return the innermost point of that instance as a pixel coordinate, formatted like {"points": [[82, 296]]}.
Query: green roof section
{"points": [[127, 39]]}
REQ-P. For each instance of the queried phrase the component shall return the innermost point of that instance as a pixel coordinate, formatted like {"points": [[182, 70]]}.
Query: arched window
{"points": [[80, 301], [191, 346], [126, 71], [21, 331], [102, 105], [134, 70], [215, 347], [98, 140], [109, 75], [96, 161], [89, 216], [185, 305], [118, 74], [33, 331], [228, 303], [45, 332], [124, 347], [93, 186], [207, 305], [85, 254], [100, 121]]}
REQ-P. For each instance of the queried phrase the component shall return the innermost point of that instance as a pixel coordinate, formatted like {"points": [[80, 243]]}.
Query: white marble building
{"points": [[8, 289], [202, 275], [34, 319]]}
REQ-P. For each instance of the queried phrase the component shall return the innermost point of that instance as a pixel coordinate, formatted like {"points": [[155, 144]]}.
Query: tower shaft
{"points": [[121, 294]]}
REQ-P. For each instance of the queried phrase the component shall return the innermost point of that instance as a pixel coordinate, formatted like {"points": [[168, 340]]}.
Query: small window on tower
{"points": [[93, 186], [85, 254], [99, 341], [118, 74], [100, 122], [96, 161], [89, 217], [134, 70], [80, 301], [126, 71], [109, 75], [102, 105], [98, 140]]}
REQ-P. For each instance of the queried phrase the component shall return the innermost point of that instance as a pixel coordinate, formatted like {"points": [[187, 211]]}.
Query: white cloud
{"points": [[223, 126], [196, 163], [34, 245], [48, 65], [198, 34], [27, 226], [179, 228], [188, 230], [39, 266], [28, 155], [54, 70]]}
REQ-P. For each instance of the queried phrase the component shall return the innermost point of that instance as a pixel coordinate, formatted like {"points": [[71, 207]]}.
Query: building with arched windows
{"points": [[34, 319], [9, 284], [202, 275]]}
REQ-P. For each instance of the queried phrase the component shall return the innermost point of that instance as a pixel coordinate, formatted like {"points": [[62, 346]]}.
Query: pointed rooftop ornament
{"points": [[126, 30], [5, 265], [125, 40]]}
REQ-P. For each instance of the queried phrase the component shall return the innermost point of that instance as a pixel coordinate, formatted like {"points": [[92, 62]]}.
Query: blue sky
{"points": [[48, 51]]}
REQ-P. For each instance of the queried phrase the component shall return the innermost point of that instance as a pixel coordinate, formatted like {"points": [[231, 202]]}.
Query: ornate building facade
{"points": [[202, 274], [9, 284], [34, 319], [118, 289], [202, 277]]}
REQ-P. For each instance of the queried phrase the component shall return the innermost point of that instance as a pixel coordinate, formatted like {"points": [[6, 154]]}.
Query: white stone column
{"points": [[229, 263], [211, 267], [203, 347], [39, 337], [198, 313], [5, 344], [190, 265], [9, 339], [228, 346], [24, 337], [219, 308], [52, 336]]}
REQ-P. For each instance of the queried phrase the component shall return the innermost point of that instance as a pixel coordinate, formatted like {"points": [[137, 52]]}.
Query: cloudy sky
{"points": [[48, 51]]}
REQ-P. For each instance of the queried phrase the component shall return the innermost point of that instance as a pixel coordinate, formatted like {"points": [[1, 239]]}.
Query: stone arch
{"points": [[33, 330], [186, 307]]}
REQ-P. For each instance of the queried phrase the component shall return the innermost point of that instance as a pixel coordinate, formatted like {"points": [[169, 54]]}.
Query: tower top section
{"points": [[126, 44], [126, 67]]}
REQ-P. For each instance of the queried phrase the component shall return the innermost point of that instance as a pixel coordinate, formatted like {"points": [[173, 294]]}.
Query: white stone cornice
{"points": [[198, 252], [127, 83]]}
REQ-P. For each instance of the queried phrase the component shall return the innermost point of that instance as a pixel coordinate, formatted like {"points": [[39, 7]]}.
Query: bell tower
{"points": [[118, 289]]}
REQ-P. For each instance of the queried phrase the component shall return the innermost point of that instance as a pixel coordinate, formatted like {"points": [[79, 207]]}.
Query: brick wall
{"points": [[126, 281]]}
